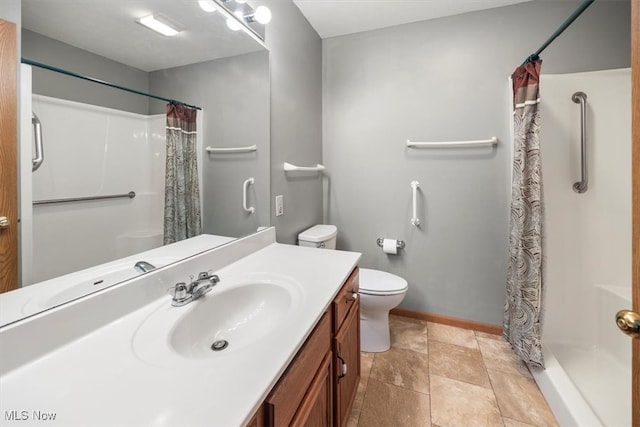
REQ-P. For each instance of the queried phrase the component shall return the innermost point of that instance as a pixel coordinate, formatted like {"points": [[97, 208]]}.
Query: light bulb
{"points": [[262, 14], [233, 25], [207, 5]]}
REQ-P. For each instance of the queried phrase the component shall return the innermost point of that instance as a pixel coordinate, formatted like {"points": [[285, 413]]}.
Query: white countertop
{"points": [[98, 379]]}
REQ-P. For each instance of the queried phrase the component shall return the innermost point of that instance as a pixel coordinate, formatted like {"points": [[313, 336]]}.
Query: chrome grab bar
{"points": [[129, 195], [245, 201], [581, 186], [37, 132]]}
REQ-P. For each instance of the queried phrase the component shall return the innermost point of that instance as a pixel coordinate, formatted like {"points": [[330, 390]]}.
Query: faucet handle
{"points": [[179, 291], [212, 278]]}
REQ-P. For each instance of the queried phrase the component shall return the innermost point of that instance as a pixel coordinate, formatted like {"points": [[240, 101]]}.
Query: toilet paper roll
{"points": [[390, 246]]}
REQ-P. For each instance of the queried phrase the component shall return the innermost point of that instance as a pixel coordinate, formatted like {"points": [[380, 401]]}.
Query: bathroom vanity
{"points": [[319, 386], [126, 356]]}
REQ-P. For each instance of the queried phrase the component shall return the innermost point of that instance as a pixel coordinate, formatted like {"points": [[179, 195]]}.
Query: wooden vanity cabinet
{"points": [[320, 384], [297, 398], [346, 349]]}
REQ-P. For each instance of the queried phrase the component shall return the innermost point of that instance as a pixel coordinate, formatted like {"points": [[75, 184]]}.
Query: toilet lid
{"points": [[376, 282]]}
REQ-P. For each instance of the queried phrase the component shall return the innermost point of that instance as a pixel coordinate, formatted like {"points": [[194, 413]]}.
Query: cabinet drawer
{"points": [[284, 400], [343, 302]]}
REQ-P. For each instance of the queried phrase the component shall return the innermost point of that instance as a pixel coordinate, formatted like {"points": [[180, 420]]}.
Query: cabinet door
{"points": [[316, 408], [258, 418], [285, 399], [346, 348]]}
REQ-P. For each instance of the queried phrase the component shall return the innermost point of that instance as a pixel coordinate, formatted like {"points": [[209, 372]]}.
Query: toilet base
{"points": [[374, 320], [374, 334]]}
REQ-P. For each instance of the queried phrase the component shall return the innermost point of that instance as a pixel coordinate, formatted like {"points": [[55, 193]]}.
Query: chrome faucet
{"points": [[184, 294], [144, 266]]}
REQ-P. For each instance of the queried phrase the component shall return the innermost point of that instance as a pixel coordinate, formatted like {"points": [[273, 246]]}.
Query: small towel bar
{"points": [[231, 150], [442, 144]]}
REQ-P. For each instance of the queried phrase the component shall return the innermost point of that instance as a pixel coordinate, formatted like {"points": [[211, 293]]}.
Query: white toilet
{"points": [[379, 292]]}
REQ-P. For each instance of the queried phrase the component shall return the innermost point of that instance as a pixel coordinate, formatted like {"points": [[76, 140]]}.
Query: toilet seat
{"points": [[376, 282]]}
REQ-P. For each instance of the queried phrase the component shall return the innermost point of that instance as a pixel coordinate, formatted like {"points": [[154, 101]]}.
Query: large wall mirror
{"points": [[100, 141]]}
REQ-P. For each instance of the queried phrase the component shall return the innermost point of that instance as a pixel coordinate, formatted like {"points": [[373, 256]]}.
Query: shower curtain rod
{"points": [[102, 82], [535, 56]]}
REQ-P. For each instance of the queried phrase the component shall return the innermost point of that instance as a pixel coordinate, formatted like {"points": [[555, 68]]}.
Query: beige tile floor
{"points": [[439, 376]]}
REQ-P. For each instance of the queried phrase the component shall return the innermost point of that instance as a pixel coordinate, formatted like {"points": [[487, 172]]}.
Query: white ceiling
{"points": [[108, 28], [332, 18]]}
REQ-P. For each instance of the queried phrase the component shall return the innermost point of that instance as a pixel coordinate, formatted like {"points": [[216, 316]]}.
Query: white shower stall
{"points": [[89, 151], [587, 248]]}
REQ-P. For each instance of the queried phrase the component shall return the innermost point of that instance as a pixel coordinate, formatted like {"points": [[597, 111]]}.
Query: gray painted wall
{"points": [[296, 117], [234, 95], [10, 10], [55, 53], [444, 79]]}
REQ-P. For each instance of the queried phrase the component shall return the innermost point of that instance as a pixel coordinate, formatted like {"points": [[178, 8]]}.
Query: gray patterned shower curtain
{"points": [[181, 194], [523, 304]]}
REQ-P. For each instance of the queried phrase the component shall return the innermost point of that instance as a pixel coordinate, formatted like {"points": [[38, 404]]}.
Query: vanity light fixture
{"points": [[242, 16], [233, 24], [207, 5], [159, 24], [262, 14]]}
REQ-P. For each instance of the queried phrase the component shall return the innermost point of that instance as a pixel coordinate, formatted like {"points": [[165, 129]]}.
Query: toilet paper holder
{"points": [[399, 243]]}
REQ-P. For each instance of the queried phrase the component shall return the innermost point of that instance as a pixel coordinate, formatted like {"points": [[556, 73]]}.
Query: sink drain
{"points": [[219, 345]]}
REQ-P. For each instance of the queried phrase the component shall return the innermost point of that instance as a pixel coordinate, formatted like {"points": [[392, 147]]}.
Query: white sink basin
{"points": [[75, 285], [237, 314]]}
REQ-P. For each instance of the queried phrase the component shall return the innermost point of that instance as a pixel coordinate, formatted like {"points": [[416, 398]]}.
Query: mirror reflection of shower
{"points": [[94, 155]]}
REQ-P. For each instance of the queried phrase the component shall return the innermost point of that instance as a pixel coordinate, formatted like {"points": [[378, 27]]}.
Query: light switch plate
{"points": [[279, 205]]}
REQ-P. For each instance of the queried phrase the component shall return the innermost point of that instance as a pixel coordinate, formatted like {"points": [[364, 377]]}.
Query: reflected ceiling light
{"points": [[159, 24], [207, 5], [262, 14], [234, 25], [242, 16]]}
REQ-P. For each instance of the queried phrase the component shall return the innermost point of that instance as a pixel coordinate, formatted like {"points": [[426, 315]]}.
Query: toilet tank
{"points": [[319, 236]]}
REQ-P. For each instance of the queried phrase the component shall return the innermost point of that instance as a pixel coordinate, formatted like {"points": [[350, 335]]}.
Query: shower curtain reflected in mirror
{"points": [[182, 217]]}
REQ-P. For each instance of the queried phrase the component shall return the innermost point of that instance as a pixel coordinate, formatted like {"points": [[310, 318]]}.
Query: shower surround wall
{"points": [[443, 79], [587, 267], [92, 151]]}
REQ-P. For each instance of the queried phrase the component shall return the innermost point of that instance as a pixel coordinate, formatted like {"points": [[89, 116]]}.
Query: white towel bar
{"points": [[231, 150], [415, 221], [245, 201], [288, 167], [441, 144]]}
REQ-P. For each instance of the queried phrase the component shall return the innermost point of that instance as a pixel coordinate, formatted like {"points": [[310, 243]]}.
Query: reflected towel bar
{"points": [[288, 167], [441, 144], [36, 162], [230, 150], [245, 202], [129, 195]]}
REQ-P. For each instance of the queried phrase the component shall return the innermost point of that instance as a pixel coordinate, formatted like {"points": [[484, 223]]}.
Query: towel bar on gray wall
{"points": [[442, 144]]}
